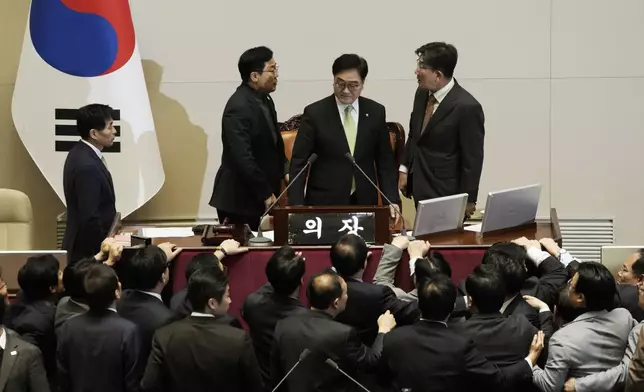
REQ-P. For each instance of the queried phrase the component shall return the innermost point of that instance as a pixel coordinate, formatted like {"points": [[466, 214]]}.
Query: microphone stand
{"points": [[302, 356], [334, 365]]}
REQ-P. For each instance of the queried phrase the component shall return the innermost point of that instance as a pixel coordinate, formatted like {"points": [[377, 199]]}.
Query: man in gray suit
{"points": [[593, 342]]}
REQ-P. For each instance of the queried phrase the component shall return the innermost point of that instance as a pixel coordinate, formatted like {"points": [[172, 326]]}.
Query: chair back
{"points": [[16, 221]]}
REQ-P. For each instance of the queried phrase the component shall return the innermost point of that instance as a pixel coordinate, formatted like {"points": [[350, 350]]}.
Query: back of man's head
{"points": [[349, 255], [74, 278], [324, 289], [101, 286], [285, 270], [433, 264], [38, 277], [147, 268], [199, 261], [206, 284], [509, 259], [597, 285], [436, 298], [486, 288]]}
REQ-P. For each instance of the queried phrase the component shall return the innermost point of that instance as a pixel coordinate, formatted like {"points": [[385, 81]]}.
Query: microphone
{"points": [[353, 161], [334, 365], [260, 240], [304, 354]]}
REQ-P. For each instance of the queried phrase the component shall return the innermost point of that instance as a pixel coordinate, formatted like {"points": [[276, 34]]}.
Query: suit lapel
{"points": [[364, 122], [444, 108], [8, 359], [421, 106], [335, 124], [100, 163]]}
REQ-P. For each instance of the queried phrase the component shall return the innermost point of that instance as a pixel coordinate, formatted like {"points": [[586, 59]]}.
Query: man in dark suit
{"points": [[89, 191], [444, 151], [142, 304], [75, 302], [99, 350], [434, 356], [367, 301], [316, 331], [274, 301], [21, 365], [198, 353], [342, 123], [253, 162], [32, 314]]}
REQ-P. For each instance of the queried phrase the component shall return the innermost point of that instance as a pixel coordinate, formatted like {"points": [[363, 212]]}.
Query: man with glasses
{"points": [[341, 123], [444, 151], [253, 161]]}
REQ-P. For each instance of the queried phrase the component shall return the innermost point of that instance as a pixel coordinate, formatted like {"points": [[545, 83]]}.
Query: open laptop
{"points": [[12, 260], [440, 214], [509, 208]]}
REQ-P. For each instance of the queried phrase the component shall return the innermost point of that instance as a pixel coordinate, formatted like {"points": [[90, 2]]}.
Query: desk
{"points": [[463, 250]]}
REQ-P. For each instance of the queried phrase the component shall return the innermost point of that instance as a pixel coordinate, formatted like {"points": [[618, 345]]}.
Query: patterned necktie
{"points": [[429, 111], [351, 130]]}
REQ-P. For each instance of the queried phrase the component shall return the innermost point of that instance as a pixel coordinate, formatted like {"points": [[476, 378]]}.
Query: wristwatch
{"points": [[562, 251]]}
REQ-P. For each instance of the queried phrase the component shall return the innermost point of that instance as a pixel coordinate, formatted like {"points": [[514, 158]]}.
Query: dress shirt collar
{"points": [[113, 309], [155, 295], [96, 150], [79, 304], [507, 303], [434, 322], [442, 93], [3, 339], [343, 106], [199, 314]]}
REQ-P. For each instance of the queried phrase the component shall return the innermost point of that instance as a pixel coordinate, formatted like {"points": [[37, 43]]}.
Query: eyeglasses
{"points": [[352, 86], [273, 70]]}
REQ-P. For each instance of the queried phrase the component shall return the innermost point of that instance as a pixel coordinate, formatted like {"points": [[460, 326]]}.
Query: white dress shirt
{"points": [[3, 339], [96, 150], [155, 295], [354, 113], [439, 95], [199, 314]]}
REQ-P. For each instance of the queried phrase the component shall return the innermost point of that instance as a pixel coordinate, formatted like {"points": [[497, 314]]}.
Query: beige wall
{"points": [[560, 82]]}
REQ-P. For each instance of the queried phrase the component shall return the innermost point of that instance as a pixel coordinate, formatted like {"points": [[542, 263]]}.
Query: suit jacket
{"points": [[90, 200], [593, 342], [200, 354], [627, 297], [22, 369], [147, 313], [635, 376], [66, 309], [262, 310], [253, 161], [98, 351], [367, 302], [180, 305], [330, 177], [325, 338], [386, 272], [34, 321], [447, 157], [429, 356]]}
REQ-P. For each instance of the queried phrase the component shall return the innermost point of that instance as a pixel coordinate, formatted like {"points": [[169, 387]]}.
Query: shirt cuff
{"points": [[403, 169], [527, 359], [537, 255], [566, 258], [412, 265], [546, 309]]}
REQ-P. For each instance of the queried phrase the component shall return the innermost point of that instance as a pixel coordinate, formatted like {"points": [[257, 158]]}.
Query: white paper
{"points": [[268, 234], [165, 232], [474, 228]]}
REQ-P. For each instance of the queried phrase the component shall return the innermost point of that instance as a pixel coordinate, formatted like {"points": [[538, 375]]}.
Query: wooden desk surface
{"points": [[463, 239]]}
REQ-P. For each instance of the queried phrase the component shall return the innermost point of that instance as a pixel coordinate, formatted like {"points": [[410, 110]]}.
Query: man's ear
{"points": [[335, 303]]}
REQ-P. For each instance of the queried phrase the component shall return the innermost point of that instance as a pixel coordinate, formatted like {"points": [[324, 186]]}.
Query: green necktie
{"points": [[104, 162], [351, 130]]}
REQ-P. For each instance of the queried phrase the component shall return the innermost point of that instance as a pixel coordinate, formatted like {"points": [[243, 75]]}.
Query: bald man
{"points": [[317, 331]]}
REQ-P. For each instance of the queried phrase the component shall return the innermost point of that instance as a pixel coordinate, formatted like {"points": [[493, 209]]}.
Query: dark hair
{"points": [[100, 284], [439, 56], [436, 298], [638, 265], [204, 284], [597, 285], [147, 267], [486, 287], [200, 261], [324, 288], [348, 254], [434, 263], [74, 277], [350, 61], [509, 259], [253, 60], [285, 270], [93, 116], [565, 311], [37, 276]]}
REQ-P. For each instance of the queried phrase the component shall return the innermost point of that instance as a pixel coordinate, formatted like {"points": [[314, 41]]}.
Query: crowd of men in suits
{"points": [[78, 330]]}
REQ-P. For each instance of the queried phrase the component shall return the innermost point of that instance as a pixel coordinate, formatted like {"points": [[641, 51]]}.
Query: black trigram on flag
{"points": [[67, 136]]}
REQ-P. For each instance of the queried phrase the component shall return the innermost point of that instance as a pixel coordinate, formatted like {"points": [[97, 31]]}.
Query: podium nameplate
{"points": [[324, 228]]}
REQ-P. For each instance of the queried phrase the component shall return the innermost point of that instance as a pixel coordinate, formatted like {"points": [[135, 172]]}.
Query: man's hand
{"points": [[232, 247], [114, 254], [386, 322], [104, 251], [536, 347], [400, 241], [569, 386], [268, 202], [402, 184], [526, 243], [286, 178], [536, 303], [394, 212], [418, 248], [550, 246], [171, 250], [469, 210]]}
